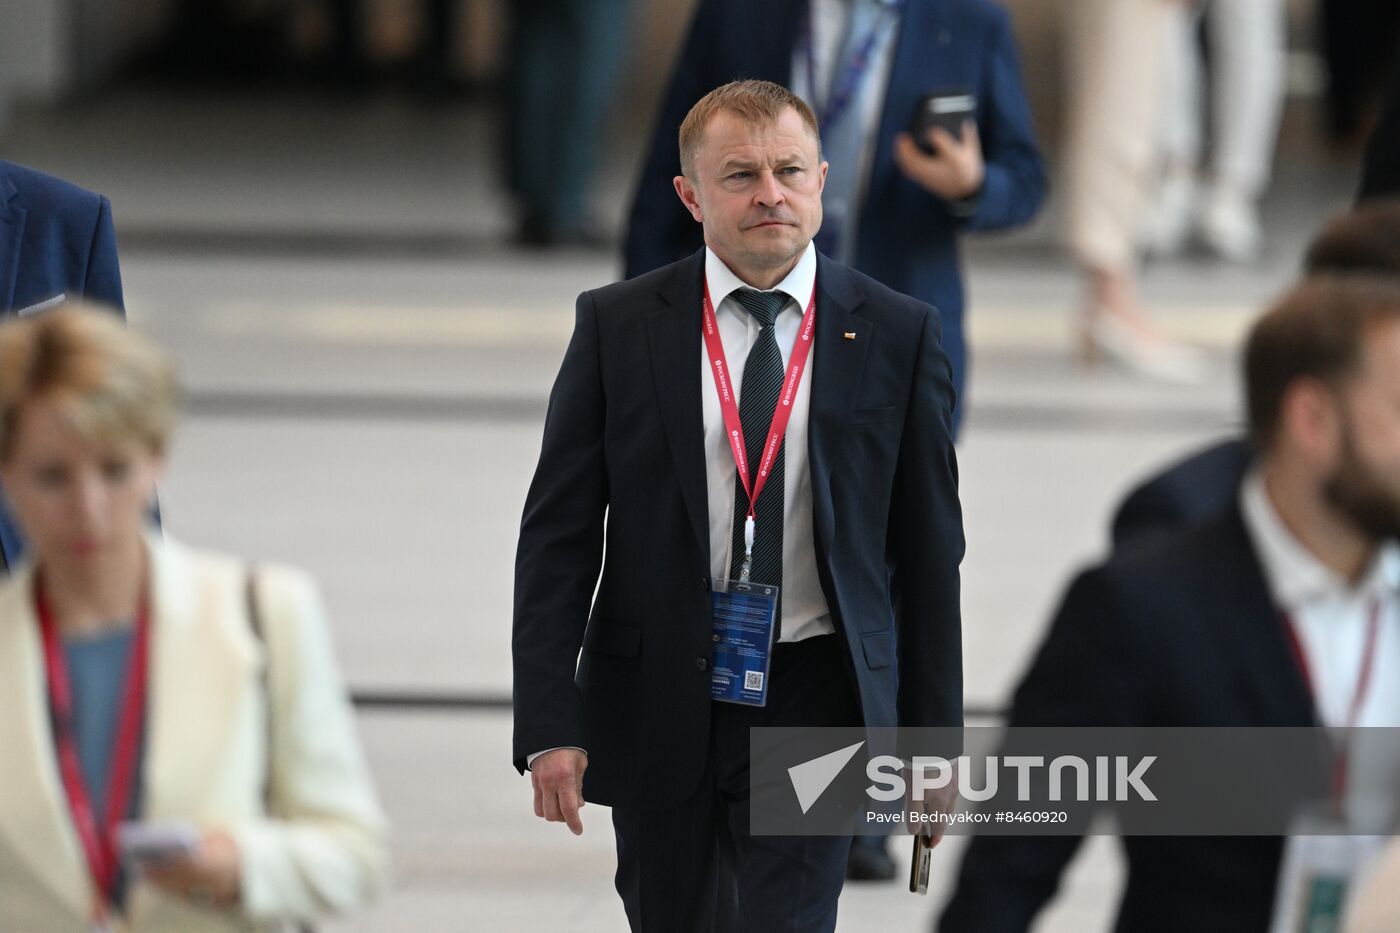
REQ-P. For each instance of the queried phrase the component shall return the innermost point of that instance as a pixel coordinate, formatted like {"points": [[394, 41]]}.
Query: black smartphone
{"points": [[947, 109], [919, 867]]}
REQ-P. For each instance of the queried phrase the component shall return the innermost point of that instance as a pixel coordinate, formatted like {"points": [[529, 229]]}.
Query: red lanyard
{"points": [[733, 426], [98, 840], [1358, 700]]}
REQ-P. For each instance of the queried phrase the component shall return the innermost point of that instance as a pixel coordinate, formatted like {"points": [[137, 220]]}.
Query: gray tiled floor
{"points": [[406, 512]]}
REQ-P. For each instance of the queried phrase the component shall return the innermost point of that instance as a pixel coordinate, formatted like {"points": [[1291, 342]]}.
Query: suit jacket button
{"points": [[702, 664], [705, 583]]}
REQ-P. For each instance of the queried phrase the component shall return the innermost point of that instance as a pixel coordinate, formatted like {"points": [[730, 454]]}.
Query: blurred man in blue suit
{"points": [[57, 243], [893, 211]]}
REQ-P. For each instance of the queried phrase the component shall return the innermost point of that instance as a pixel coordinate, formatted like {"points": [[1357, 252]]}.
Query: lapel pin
{"points": [[850, 335]]}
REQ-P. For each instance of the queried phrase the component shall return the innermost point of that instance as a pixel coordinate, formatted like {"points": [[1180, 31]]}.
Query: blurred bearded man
{"points": [[1283, 611]]}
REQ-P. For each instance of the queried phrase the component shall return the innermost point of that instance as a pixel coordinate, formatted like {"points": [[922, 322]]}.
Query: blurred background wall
{"points": [[54, 48]]}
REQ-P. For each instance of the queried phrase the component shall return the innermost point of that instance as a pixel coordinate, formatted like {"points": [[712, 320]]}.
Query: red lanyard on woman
{"points": [[98, 838], [1340, 771]]}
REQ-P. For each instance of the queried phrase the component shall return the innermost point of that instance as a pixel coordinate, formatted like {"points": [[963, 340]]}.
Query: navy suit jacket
{"points": [[1201, 486], [55, 240], [907, 237], [1179, 630], [624, 451]]}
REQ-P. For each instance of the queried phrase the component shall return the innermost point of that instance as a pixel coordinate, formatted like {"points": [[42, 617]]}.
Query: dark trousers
{"points": [[695, 867], [564, 61]]}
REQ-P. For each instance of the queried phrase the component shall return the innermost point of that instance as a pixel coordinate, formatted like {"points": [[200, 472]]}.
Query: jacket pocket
{"points": [[878, 648], [606, 637]]}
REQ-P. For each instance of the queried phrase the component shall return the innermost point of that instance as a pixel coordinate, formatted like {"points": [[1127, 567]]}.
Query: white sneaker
{"points": [[1230, 226], [1169, 225]]}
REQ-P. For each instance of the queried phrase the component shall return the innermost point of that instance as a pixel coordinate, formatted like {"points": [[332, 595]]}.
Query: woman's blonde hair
{"points": [[110, 383]]}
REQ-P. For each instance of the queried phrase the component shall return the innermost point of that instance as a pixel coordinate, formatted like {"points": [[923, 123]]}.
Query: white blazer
{"points": [[206, 754]]}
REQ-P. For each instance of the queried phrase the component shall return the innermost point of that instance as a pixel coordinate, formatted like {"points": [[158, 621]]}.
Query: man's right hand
{"points": [[558, 780]]}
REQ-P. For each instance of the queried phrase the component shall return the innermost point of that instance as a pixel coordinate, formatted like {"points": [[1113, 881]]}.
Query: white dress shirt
{"points": [[805, 612], [830, 19], [1330, 617]]}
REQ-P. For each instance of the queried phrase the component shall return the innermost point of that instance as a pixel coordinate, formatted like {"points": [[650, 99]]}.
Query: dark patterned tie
{"points": [[758, 397]]}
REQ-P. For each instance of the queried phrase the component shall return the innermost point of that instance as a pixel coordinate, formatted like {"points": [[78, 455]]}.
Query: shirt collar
{"points": [[798, 284], [1297, 578]]}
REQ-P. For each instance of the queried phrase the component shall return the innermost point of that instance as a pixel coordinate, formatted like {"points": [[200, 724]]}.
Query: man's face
{"points": [[757, 189], [1364, 483]]}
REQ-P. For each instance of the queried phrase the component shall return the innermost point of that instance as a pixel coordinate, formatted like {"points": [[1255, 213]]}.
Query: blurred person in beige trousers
{"points": [[145, 682], [1116, 81]]}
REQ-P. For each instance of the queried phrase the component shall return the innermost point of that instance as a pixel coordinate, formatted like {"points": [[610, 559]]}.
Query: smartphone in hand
{"points": [[145, 844], [947, 109], [919, 867]]}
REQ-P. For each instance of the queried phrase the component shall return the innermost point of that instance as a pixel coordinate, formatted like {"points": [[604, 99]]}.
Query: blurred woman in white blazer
{"points": [[146, 684]]}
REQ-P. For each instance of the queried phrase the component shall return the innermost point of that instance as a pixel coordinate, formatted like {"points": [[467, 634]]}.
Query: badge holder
{"points": [[1322, 861], [744, 616], [1324, 857]]}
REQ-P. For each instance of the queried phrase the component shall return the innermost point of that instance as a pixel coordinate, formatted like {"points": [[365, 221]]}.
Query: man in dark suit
{"points": [[56, 243], [1219, 624], [1194, 488], [904, 209], [637, 466], [1205, 483]]}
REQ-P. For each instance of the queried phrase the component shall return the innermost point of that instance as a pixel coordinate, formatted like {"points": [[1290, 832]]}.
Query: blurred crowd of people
{"points": [[1251, 584]]}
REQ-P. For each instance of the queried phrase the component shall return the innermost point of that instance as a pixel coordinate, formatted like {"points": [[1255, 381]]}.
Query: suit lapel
{"points": [[837, 366], [202, 657], [915, 65], [909, 64], [1253, 630], [11, 232], [673, 330], [34, 817]]}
